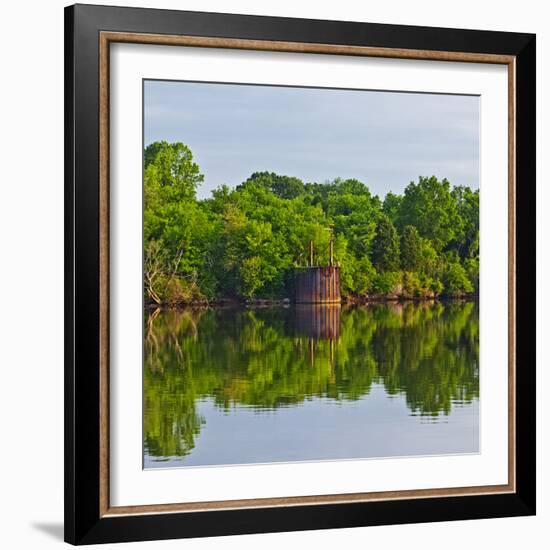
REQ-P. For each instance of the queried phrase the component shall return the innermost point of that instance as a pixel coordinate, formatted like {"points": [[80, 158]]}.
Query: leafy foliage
{"points": [[385, 249], [430, 206], [245, 242], [411, 249]]}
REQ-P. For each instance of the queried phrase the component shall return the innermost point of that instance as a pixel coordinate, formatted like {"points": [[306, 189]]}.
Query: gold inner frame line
{"points": [[105, 39]]}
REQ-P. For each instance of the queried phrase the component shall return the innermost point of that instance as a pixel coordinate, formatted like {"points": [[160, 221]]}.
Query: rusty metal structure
{"points": [[318, 284]]}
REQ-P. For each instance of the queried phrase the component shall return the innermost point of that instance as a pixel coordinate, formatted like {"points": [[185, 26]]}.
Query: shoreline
{"points": [[286, 302]]}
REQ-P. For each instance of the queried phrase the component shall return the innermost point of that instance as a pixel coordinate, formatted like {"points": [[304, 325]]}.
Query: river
{"points": [[308, 383]]}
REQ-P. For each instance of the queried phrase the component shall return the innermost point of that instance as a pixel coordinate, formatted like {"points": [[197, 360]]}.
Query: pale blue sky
{"points": [[384, 139]]}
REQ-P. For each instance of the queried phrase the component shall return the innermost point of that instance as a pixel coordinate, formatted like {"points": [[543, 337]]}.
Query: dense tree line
{"points": [[246, 242]]}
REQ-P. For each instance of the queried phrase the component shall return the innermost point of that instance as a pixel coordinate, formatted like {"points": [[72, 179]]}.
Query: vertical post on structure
{"points": [[331, 229], [318, 283]]}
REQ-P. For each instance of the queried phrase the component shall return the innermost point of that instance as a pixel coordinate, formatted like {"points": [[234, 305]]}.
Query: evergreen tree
{"points": [[385, 246], [411, 249]]}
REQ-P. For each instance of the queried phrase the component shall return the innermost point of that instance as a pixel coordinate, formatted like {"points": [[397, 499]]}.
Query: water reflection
{"points": [[208, 366], [317, 320]]}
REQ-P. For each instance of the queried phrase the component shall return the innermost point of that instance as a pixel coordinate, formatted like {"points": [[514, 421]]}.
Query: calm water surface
{"points": [[238, 386]]}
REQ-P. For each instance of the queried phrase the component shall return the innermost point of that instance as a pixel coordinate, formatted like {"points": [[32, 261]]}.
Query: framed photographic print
{"points": [[300, 277]]}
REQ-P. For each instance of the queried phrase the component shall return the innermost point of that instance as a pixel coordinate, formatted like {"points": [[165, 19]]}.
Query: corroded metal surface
{"points": [[318, 285]]}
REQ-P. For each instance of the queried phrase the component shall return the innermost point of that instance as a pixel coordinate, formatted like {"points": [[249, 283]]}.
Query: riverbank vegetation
{"points": [[244, 243]]}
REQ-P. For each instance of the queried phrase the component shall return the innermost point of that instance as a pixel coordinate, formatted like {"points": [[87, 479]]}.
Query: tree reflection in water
{"points": [[269, 358]]}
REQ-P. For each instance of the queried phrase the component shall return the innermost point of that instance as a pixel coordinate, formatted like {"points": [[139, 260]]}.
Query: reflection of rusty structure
{"points": [[318, 285], [321, 322]]}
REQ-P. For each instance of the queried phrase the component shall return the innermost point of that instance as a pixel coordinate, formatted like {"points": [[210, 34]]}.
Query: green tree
{"points": [[386, 282], [455, 279], [285, 187], [185, 232], [411, 249], [467, 242], [430, 206], [170, 166], [385, 246], [391, 206]]}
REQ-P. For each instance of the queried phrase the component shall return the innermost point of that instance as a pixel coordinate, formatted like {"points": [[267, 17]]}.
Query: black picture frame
{"points": [[83, 521]]}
